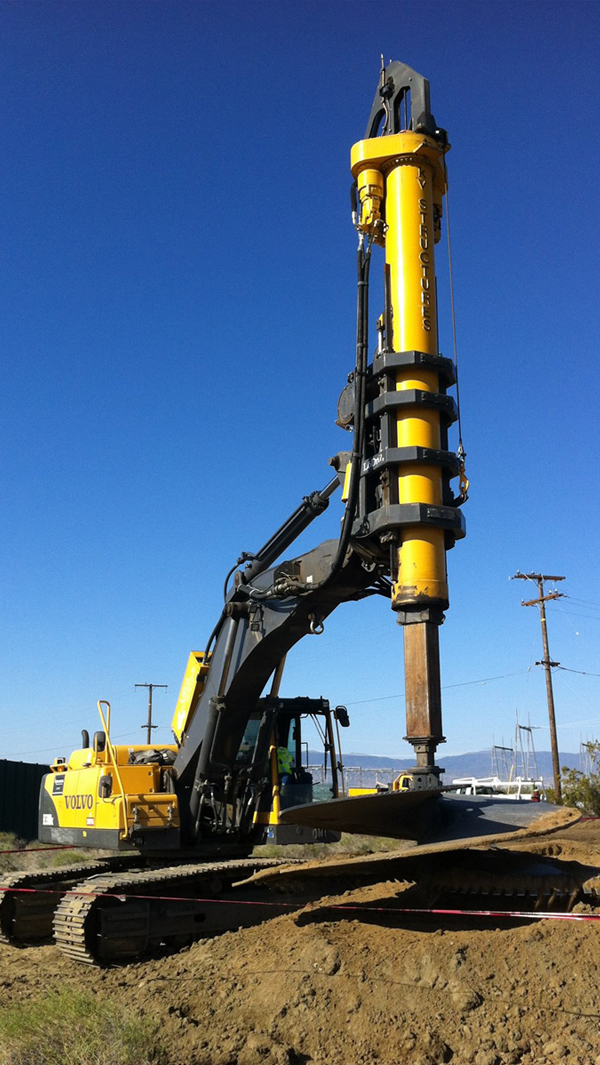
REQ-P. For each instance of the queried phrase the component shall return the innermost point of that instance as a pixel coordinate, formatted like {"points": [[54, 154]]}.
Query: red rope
{"points": [[32, 850], [520, 914]]}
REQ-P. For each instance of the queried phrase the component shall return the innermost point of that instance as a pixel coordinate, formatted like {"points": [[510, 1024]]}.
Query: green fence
{"points": [[19, 793]]}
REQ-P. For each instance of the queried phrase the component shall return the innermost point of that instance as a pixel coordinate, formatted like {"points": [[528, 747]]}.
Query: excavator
{"points": [[180, 822]]}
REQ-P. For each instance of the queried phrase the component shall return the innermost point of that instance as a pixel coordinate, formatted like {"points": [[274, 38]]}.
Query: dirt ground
{"points": [[362, 988]]}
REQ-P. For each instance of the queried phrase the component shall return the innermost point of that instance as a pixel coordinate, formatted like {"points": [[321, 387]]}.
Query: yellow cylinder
{"points": [[275, 789], [370, 194], [410, 255]]}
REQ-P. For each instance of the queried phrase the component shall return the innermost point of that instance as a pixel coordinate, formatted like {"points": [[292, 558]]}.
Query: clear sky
{"points": [[178, 282]]}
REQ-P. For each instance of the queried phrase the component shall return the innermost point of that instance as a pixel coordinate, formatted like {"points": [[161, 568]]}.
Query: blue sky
{"points": [[178, 283]]}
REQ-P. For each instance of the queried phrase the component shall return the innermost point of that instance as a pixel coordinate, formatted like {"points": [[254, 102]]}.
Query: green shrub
{"points": [[71, 1027], [581, 790]]}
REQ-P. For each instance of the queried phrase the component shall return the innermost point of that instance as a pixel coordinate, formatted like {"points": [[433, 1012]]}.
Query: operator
{"points": [[285, 763]]}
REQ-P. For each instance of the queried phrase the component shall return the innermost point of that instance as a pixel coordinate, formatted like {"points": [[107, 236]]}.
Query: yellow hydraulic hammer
{"points": [[400, 176]]}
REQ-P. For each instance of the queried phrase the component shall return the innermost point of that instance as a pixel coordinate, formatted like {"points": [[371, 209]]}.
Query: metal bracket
{"points": [[399, 83]]}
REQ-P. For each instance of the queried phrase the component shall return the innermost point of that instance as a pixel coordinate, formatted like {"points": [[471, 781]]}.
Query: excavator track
{"points": [[504, 880], [528, 889], [28, 900], [112, 918], [456, 875]]}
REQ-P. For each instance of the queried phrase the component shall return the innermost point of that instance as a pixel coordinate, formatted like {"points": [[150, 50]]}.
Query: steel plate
{"points": [[422, 816]]}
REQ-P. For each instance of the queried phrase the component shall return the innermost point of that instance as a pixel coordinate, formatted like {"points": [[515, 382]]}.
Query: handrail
{"points": [[111, 752]]}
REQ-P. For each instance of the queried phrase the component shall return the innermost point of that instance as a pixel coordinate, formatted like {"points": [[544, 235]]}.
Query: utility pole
{"points": [[546, 662], [149, 726]]}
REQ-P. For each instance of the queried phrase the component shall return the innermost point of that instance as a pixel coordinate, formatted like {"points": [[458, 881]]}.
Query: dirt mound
{"points": [[364, 986]]}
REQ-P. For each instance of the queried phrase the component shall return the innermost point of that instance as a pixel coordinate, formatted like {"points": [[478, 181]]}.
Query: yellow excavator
{"points": [[403, 782], [125, 798], [178, 820]]}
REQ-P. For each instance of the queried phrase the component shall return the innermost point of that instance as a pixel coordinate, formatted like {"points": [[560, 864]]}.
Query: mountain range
{"points": [[366, 769]]}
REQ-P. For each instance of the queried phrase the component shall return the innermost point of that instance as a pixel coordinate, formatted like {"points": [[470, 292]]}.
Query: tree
{"points": [[580, 789]]}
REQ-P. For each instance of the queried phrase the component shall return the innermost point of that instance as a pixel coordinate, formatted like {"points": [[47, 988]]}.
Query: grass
{"points": [[76, 1028], [349, 846], [8, 841], [33, 855], [68, 857]]}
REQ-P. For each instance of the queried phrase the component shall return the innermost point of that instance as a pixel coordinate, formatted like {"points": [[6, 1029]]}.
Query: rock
{"points": [[486, 1057], [329, 964], [283, 1055], [466, 999], [436, 1047], [255, 1050], [555, 1050]]}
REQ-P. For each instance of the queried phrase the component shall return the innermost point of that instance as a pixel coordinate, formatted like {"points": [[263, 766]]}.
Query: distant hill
{"points": [[368, 768]]}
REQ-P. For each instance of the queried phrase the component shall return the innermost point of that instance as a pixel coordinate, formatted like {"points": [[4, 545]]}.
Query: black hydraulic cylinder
{"points": [[310, 508]]}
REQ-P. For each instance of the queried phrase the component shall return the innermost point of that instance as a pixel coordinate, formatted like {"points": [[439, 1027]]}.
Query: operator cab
{"points": [[305, 766]]}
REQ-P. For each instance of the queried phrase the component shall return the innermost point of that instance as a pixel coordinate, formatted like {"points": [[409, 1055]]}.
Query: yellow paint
{"points": [[272, 817], [111, 758], [346, 486], [191, 689], [402, 782], [354, 793]]}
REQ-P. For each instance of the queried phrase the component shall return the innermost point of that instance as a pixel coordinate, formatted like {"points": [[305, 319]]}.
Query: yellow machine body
{"points": [[101, 799]]}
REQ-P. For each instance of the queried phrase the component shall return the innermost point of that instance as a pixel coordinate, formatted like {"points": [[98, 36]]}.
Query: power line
{"points": [[65, 743], [574, 614], [462, 684], [584, 602], [582, 672]]}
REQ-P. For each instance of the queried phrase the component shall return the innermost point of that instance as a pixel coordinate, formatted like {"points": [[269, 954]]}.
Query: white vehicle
{"points": [[518, 788]]}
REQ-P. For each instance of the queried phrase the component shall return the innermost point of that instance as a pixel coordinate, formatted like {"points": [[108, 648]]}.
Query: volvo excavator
{"points": [[180, 822]]}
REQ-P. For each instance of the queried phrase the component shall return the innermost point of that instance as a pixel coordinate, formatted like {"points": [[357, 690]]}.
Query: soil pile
{"points": [[366, 986]]}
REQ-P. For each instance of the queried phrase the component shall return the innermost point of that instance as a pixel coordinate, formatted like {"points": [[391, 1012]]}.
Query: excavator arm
{"points": [[265, 615]]}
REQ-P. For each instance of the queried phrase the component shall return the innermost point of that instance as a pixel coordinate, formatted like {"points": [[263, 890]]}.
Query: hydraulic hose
{"points": [[363, 261], [360, 375], [214, 634]]}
